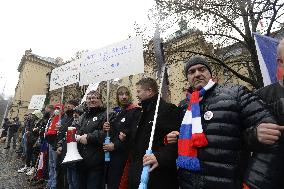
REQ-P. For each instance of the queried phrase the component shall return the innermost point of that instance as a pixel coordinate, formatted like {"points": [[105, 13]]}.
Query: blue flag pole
{"points": [[107, 138], [145, 172], [161, 68]]}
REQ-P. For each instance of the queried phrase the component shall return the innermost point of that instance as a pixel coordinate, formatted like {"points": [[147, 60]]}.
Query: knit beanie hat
{"points": [[194, 61], [79, 109], [73, 102], [38, 114]]}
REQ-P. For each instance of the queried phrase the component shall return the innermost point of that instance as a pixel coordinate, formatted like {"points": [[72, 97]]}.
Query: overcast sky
{"points": [[59, 28]]}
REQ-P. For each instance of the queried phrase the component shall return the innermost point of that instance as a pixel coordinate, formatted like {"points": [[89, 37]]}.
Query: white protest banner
{"points": [[37, 102], [91, 87], [64, 75], [115, 61]]}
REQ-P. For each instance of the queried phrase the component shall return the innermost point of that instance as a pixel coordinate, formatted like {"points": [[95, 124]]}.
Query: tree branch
{"points": [[221, 63], [272, 20], [228, 36], [259, 14]]}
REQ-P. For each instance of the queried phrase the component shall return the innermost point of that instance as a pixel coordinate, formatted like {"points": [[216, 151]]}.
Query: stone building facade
{"points": [[33, 80]]}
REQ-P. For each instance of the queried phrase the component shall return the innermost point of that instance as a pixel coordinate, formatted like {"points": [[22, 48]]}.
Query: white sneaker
{"points": [[22, 170], [31, 171]]}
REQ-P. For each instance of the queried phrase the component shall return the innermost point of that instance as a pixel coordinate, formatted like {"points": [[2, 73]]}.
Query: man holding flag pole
{"points": [[161, 157], [157, 117]]}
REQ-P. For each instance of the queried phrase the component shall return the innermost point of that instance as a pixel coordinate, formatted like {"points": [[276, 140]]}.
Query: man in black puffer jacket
{"points": [[91, 169], [272, 176], [225, 113]]}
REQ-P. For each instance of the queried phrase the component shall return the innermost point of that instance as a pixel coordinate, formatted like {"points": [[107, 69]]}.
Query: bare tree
{"points": [[3, 106], [229, 25]]}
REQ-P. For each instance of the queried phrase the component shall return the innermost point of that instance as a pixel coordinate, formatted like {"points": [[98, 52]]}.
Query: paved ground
{"points": [[9, 177]]}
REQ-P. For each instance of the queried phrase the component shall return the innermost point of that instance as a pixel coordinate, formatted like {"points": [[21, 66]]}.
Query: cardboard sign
{"points": [[64, 75], [37, 102]]}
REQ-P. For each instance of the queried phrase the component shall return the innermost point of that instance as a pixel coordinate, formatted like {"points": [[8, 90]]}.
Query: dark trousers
{"points": [[29, 155], [72, 176], [115, 169], [92, 179], [61, 177], [4, 133], [10, 136], [61, 173]]}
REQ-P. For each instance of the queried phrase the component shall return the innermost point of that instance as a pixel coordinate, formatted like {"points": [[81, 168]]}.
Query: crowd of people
{"points": [[223, 137]]}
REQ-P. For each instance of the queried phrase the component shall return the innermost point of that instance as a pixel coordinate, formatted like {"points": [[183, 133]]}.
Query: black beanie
{"points": [[79, 109], [73, 102], [194, 61]]}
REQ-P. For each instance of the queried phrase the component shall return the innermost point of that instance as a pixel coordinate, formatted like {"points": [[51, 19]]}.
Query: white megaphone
{"points": [[72, 154]]}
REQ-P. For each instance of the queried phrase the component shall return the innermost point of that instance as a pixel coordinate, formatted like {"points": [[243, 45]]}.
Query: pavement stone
{"points": [[9, 164]]}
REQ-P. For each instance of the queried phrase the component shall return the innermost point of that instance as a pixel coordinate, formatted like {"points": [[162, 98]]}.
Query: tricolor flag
{"points": [[42, 164], [267, 56]]}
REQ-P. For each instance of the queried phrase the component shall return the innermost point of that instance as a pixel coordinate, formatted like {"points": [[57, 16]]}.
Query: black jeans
{"points": [[92, 179], [10, 136], [61, 174]]}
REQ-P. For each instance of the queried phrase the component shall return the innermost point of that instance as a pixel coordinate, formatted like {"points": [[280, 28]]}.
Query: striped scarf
{"points": [[191, 134]]}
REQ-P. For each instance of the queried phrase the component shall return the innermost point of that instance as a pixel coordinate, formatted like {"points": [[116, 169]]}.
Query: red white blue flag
{"points": [[267, 56]]}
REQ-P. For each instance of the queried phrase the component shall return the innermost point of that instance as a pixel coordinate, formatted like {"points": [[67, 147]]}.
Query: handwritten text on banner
{"points": [[64, 75], [115, 61]]}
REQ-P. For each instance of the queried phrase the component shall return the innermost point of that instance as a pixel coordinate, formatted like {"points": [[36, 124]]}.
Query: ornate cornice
{"points": [[35, 59]]}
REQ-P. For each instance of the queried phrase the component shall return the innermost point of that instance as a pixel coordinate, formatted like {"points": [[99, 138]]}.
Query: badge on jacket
{"points": [[208, 115], [95, 119], [122, 120]]}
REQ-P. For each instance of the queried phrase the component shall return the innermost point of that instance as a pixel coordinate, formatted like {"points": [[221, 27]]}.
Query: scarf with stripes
{"points": [[191, 134]]}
